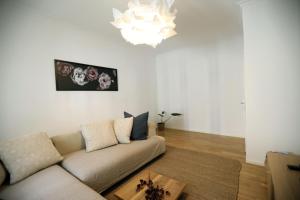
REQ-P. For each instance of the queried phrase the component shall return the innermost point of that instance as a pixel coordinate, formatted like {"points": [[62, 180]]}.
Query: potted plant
{"points": [[164, 118]]}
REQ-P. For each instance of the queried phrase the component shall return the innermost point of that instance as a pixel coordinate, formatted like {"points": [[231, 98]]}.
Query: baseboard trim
{"points": [[252, 162], [193, 131]]}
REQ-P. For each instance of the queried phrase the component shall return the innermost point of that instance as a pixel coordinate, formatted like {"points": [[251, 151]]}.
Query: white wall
{"points": [[205, 83], [29, 101], [272, 77]]}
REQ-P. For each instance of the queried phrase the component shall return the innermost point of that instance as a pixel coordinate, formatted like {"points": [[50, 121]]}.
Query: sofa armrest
{"points": [[152, 129]]}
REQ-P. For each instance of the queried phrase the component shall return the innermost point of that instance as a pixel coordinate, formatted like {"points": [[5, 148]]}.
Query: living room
{"points": [[89, 107]]}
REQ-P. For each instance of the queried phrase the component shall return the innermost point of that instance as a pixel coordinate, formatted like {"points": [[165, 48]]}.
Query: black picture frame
{"points": [[72, 76]]}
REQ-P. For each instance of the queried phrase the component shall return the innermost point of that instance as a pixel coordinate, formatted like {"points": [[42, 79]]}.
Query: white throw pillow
{"points": [[28, 154], [98, 135], [123, 129]]}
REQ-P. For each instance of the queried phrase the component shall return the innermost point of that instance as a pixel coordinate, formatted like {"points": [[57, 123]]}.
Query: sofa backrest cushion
{"points": [[68, 143], [2, 174]]}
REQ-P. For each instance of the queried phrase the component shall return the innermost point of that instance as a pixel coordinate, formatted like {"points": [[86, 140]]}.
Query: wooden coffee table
{"points": [[128, 190]]}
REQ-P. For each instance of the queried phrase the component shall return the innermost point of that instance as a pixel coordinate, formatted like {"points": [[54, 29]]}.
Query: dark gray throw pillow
{"points": [[140, 126]]}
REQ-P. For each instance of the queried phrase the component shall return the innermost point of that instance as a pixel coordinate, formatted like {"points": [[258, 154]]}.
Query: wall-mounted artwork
{"points": [[72, 76]]}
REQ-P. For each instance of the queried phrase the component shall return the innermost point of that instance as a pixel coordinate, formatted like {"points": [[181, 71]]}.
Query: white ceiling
{"points": [[198, 20]]}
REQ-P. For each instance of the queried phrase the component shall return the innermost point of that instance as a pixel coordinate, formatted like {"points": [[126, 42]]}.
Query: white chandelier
{"points": [[146, 23]]}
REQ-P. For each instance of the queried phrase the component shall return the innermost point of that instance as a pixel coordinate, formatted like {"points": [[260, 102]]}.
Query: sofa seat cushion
{"points": [[102, 168], [51, 183]]}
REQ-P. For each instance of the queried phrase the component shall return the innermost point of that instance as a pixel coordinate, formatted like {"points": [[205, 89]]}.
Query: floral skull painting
{"points": [[78, 76], [64, 69], [104, 81], [72, 76], [92, 73]]}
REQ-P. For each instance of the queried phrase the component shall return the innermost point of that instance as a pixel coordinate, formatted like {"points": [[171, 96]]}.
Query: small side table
{"points": [[282, 182]]}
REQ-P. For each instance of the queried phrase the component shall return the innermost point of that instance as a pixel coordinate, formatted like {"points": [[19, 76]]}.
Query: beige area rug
{"points": [[207, 176]]}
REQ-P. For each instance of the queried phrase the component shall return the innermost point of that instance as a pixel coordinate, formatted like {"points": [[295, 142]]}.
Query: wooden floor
{"points": [[252, 183]]}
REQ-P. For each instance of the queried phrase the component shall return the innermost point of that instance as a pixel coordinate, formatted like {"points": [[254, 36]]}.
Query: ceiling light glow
{"points": [[146, 23]]}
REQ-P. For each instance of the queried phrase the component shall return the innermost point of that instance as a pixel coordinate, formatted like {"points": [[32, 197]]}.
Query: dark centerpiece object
{"points": [[163, 121], [152, 192]]}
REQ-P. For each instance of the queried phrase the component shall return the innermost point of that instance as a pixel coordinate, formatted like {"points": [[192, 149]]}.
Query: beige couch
{"points": [[81, 175]]}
